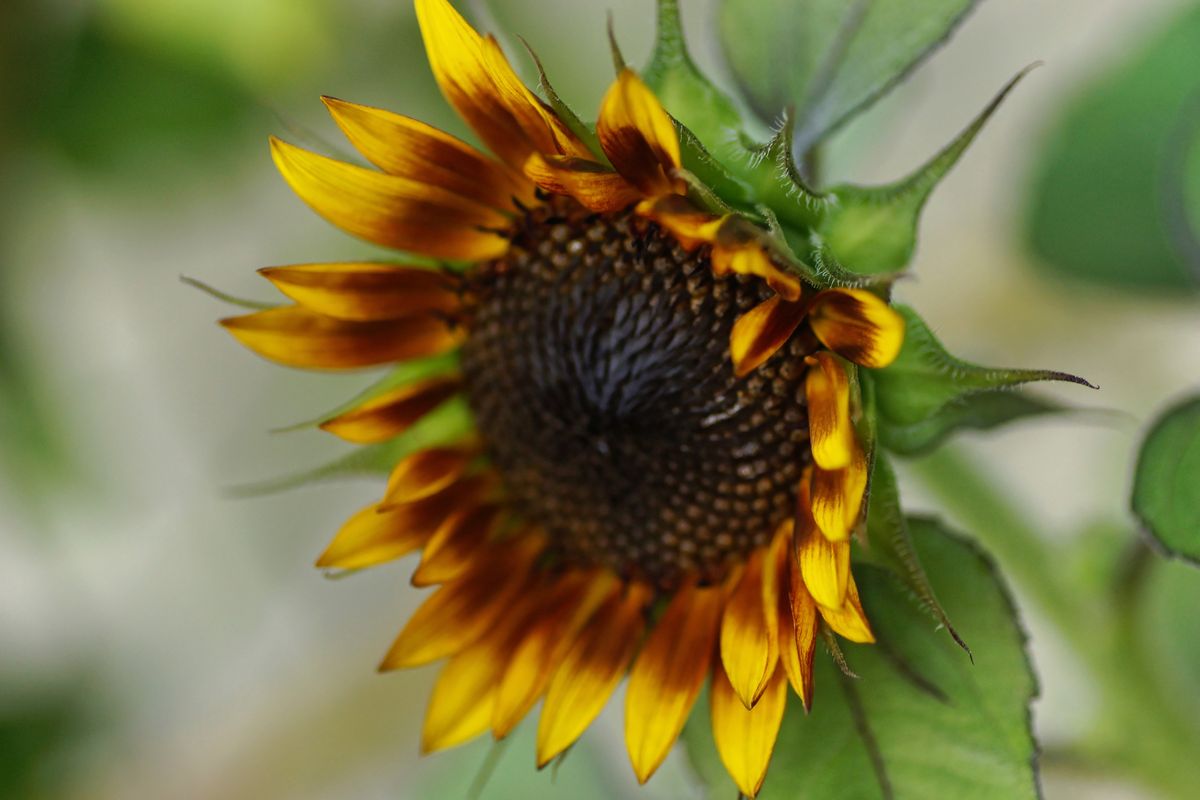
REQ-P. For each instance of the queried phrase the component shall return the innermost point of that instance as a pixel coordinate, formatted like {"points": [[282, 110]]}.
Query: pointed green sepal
{"points": [[225, 297], [679, 85], [926, 393], [873, 229], [564, 112], [772, 170]]}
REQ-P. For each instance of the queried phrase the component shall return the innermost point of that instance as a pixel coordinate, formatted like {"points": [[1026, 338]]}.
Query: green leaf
{"points": [[927, 394], [828, 59], [873, 229], [921, 721], [1116, 197], [1166, 486], [689, 96]]}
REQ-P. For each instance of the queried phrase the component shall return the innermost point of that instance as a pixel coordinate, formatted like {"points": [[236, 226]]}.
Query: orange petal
{"points": [[297, 337], [745, 738], [365, 291], [837, 496], [458, 613], [571, 604], [593, 185], [373, 536], [411, 149], [850, 620], [668, 675], [456, 544], [798, 635], [827, 390], [761, 331], [388, 210], [750, 630], [690, 225], [478, 81], [739, 247], [426, 472], [590, 671], [639, 137], [392, 413], [858, 326]]}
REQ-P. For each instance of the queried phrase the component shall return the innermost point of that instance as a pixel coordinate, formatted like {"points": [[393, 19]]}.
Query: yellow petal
{"points": [[739, 247], [827, 390], [373, 536], [388, 210], [745, 738], [392, 413], [426, 472], [837, 496], [668, 675], [750, 630], [798, 635], [297, 337], [850, 620], [825, 566], [481, 85], [464, 696], [638, 137], [458, 613], [366, 291], [571, 604], [590, 671], [456, 544], [411, 149], [858, 326], [593, 185], [761, 331]]}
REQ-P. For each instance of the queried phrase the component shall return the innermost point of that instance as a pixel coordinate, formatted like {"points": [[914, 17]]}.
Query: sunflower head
{"points": [[660, 377]]}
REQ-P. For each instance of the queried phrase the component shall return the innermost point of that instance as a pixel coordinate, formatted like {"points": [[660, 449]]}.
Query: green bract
{"points": [[1166, 490]]}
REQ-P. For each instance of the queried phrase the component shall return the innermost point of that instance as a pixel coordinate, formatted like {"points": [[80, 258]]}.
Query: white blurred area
{"points": [[224, 663]]}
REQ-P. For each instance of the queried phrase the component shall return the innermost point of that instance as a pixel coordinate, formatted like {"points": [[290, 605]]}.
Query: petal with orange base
{"points": [[373, 536], [458, 613], [668, 675], [478, 81], [426, 472], [297, 337], [837, 496], [366, 291], [858, 326], [595, 186], [638, 137], [798, 636], [830, 430], [591, 670], [569, 605], [750, 629], [745, 738], [456, 545], [388, 210], [392, 413], [761, 331], [411, 149]]}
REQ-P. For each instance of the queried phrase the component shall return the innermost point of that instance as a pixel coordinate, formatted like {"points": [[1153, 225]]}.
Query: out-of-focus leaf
{"points": [[1166, 487], [873, 229], [1116, 197], [36, 736], [921, 721], [926, 393], [1166, 617], [828, 58]]}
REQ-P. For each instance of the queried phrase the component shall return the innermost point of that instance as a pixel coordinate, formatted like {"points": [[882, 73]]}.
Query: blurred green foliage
{"points": [[1166, 489], [1116, 193]]}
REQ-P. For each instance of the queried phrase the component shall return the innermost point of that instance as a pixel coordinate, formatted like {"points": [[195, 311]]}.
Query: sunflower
{"points": [[664, 472]]}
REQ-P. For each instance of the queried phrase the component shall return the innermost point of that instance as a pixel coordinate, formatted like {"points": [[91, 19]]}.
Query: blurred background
{"points": [[161, 637]]}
